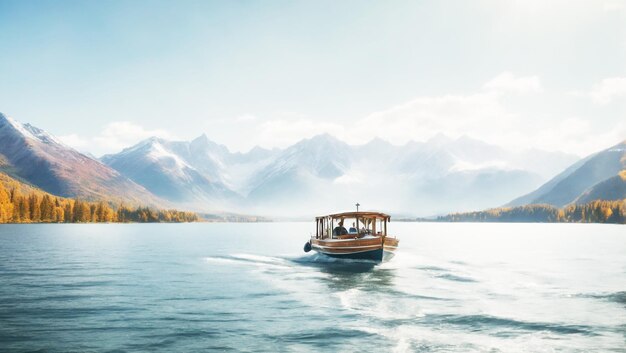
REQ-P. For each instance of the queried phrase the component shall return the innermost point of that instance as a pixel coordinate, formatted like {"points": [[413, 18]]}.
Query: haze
{"points": [[105, 75]]}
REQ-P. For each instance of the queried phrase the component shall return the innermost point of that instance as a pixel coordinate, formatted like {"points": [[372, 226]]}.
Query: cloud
{"points": [[74, 141], [507, 82], [246, 118], [486, 114], [113, 138], [121, 134], [480, 114], [347, 179], [416, 120], [609, 88], [576, 135], [614, 5], [423, 117], [284, 132]]}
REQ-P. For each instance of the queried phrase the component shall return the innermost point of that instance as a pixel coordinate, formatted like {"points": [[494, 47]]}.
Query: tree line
{"points": [[598, 211], [41, 207]]}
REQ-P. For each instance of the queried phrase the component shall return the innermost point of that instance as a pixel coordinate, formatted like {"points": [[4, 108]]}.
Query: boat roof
{"points": [[366, 214]]}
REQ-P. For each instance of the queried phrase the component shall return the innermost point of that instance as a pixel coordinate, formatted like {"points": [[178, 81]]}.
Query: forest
{"points": [[593, 212], [37, 206]]}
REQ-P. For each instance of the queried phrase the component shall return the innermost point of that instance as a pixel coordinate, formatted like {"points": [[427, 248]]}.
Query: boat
{"points": [[365, 239]]}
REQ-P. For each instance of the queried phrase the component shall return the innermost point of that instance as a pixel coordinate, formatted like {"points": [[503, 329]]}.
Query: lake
{"points": [[452, 287]]}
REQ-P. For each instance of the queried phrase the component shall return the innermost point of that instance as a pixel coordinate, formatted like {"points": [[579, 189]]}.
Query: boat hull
{"points": [[371, 249], [374, 255]]}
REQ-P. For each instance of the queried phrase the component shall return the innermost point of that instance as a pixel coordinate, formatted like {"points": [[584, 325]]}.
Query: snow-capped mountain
{"points": [[35, 156], [189, 173], [423, 178], [293, 172], [323, 173], [198, 174]]}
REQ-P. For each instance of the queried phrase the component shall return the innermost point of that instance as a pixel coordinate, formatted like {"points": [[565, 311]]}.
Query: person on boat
{"points": [[340, 229], [352, 229]]}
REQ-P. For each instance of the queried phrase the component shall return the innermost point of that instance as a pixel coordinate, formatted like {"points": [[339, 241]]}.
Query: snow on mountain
{"points": [[322, 156], [297, 176], [422, 160], [165, 168], [425, 178], [438, 175]]}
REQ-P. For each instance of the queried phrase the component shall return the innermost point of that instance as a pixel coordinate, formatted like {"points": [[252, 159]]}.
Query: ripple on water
{"points": [[487, 322], [456, 278], [322, 338], [615, 297]]}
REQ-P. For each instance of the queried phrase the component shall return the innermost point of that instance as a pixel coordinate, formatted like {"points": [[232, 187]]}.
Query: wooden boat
{"points": [[366, 238]]}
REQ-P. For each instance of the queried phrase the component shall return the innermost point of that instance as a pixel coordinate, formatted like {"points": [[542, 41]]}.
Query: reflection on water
{"points": [[344, 274], [342, 277]]}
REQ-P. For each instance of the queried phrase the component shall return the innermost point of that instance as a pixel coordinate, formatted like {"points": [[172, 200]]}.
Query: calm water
{"points": [[249, 287]]}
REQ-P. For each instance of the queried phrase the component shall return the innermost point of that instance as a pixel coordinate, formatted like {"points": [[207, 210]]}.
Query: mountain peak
{"points": [[42, 135], [257, 149], [322, 143], [377, 141], [152, 140], [324, 139], [375, 145], [439, 139], [203, 139], [203, 143], [148, 143], [465, 138], [19, 128]]}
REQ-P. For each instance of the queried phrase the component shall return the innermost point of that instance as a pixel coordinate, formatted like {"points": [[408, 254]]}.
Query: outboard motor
{"points": [[307, 246]]}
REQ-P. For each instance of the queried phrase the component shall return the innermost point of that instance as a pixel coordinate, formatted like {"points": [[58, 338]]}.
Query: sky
{"points": [[103, 75]]}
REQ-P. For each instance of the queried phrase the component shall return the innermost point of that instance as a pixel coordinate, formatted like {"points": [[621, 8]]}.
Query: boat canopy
{"points": [[374, 223], [364, 215]]}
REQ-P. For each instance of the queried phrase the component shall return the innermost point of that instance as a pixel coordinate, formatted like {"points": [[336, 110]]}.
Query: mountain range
{"points": [[323, 173], [316, 175]]}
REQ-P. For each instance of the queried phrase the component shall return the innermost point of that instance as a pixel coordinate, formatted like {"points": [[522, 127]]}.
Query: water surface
{"points": [[249, 287]]}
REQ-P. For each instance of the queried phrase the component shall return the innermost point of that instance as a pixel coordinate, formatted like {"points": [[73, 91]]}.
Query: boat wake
{"points": [[313, 260], [424, 314], [250, 260]]}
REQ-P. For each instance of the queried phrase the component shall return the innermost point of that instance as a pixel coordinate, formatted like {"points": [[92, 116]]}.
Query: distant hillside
{"points": [[610, 189], [592, 212], [23, 203], [578, 182]]}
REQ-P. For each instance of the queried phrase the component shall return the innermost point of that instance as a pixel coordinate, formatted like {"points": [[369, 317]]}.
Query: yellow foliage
{"points": [[598, 211], [20, 203]]}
